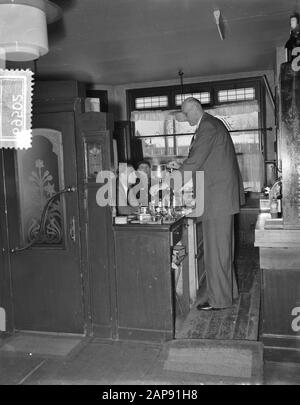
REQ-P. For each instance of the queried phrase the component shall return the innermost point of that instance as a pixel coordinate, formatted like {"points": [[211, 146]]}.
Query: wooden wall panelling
{"points": [[97, 228]]}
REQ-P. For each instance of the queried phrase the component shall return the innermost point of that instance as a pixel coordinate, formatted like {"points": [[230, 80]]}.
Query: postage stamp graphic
{"points": [[15, 108]]}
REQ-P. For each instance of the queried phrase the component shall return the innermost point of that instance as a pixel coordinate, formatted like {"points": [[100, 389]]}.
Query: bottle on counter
{"points": [[279, 206], [158, 215], [274, 208], [144, 215], [160, 192], [151, 208]]}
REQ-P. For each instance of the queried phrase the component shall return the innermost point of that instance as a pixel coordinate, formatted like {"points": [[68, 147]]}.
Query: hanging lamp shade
{"points": [[23, 28]]}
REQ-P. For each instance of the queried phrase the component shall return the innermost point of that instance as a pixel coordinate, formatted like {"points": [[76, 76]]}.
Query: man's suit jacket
{"points": [[212, 151]]}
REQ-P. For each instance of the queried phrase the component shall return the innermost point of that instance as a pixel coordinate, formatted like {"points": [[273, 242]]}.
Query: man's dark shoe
{"points": [[205, 307]]}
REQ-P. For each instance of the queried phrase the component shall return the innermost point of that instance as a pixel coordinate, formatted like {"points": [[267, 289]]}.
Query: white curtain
{"points": [[245, 107], [222, 110]]}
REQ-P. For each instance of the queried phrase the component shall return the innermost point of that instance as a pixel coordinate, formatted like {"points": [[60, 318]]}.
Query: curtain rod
{"points": [[192, 133]]}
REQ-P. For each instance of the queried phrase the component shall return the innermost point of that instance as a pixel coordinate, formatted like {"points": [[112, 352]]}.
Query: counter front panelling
{"points": [[279, 251], [147, 301]]}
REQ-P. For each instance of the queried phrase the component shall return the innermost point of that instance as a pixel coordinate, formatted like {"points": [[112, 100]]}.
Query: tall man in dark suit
{"points": [[212, 151]]}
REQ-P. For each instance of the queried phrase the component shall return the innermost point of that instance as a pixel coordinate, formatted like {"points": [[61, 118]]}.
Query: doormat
{"points": [[36, 344], [212, 361]]}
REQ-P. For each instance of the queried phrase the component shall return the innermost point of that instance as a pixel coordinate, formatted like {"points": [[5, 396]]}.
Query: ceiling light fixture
{"points": [[219, 22], [23, 28]]}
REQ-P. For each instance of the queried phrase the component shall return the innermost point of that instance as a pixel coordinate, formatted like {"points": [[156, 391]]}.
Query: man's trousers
{"points": [[218, 243]]}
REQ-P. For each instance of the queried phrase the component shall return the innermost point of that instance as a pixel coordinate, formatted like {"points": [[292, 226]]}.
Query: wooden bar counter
{"points": [[150, 293], [279, 251]]}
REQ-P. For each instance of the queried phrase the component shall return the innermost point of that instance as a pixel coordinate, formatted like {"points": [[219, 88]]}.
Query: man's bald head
{"points": [[192, 109]]}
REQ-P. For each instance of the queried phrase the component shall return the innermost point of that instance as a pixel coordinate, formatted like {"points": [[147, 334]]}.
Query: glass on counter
{"points": [[144, 215], [159, 171]]}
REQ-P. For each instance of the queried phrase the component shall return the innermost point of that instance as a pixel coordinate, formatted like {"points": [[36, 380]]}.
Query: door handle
{"points": [[72, 230]]}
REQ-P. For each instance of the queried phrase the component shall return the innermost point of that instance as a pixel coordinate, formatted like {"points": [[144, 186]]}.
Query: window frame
{"points": [[210, 87], [257, 82]]}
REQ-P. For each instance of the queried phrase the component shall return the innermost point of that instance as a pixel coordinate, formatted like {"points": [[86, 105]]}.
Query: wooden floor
{"points": [[239, 322]]}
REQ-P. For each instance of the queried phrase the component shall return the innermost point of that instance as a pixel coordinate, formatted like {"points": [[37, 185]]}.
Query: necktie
{"points": [[194, 136], [192, 141]]}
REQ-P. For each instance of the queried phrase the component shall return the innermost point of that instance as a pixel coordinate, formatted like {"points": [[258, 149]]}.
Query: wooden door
{"points": [[46, 277], [6, 312]]}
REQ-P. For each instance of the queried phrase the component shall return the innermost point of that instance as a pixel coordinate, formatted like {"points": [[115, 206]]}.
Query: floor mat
{"points": [[36, 344], [211, 361]]}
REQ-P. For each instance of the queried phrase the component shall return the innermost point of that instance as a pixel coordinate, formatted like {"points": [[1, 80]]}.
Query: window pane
{"points": [[151, 102], [250, 159], [158, 146], [154, 125], [170, 146], [183, 144], [247, 144], [203, 97], [236, 94], [154, 147], [144, 128]]}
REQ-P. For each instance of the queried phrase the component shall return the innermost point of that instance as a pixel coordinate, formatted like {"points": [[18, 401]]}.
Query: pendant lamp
{"points": [[23, 28]]}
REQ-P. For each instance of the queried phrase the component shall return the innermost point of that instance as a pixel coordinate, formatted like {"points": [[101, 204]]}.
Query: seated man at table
{"points": [[127, 204]]}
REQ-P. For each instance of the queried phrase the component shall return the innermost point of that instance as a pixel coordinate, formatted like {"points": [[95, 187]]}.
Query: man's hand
{"points": [[173, 165]]}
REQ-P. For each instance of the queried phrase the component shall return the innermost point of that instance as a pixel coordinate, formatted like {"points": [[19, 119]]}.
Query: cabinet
{"points": [[95, 153], [279, 239], [92, 137], [147, 300], [279, 254], [289, 144]]}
